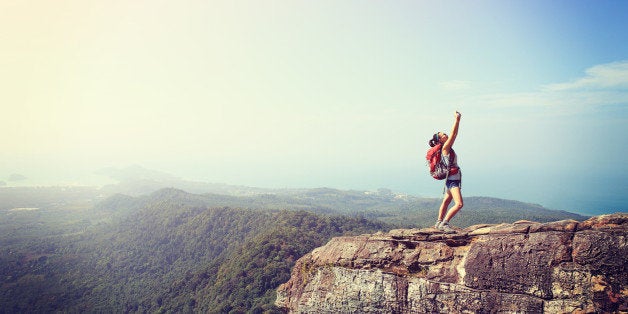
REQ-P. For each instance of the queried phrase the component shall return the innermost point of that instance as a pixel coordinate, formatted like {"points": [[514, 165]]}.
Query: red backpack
{"points": [[438, 169]]}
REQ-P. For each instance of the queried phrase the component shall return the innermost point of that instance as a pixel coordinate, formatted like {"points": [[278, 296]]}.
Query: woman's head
{"points": [[438, 138]]}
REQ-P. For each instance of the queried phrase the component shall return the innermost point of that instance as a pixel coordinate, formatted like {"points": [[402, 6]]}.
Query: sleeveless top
{"points": [[453, 158]]}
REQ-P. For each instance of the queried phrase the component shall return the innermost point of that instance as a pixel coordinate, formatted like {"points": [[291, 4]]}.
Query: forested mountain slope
{"points": [[171, 252], [176, 251]]}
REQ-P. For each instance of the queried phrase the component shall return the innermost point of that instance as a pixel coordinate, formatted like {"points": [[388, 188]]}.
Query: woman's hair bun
{"points": [[434, 141]]}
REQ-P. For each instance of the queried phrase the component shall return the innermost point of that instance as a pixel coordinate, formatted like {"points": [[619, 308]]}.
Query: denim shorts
{"points": [[454, 184]]}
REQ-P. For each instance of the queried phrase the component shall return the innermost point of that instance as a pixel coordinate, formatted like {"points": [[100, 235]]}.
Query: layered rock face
{"points": [[524, 267]]}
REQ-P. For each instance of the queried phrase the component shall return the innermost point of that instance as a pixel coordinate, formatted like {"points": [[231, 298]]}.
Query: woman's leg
{"points": [[457, 196], [444, 205]]}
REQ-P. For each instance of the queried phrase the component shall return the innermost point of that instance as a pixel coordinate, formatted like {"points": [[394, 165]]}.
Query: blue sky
{"points": [[341, 94]]}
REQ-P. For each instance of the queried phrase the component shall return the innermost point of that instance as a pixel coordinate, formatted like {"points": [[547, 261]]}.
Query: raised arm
{"points": [[452, 137]]}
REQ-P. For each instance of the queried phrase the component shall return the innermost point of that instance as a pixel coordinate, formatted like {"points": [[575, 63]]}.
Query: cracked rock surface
{"points": [[524, 267]]}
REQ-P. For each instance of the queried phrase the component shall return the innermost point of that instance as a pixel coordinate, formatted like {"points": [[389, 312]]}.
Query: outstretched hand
{"points": [[457, 115]]}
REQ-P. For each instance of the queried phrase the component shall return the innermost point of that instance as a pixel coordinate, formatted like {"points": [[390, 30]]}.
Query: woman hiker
{"points": [[453, 182]]}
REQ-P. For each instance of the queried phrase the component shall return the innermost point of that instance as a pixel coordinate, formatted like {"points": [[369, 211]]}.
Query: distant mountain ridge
{"points": [[405, 209], [385, 205], [397, 209]]}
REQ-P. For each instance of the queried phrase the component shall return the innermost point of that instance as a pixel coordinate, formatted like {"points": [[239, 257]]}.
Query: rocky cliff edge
{"points": [[524, 267]]}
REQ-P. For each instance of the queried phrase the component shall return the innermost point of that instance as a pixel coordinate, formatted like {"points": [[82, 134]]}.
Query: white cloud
{"points": [[605, 84], [604, 76]]}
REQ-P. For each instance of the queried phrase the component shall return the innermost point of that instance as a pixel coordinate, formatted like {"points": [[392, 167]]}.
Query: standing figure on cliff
{"points": [[453, 182]]}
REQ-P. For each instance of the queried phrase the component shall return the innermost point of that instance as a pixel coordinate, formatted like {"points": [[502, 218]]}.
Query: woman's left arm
{"points": [[452, 137]]}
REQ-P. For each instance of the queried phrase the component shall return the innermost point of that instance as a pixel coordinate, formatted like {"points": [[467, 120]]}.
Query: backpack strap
{"points": [[448, 169]]}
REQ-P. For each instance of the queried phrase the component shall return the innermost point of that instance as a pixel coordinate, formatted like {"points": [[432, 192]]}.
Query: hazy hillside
{"points": [[173, 251], [405, 210], [168, 251]]}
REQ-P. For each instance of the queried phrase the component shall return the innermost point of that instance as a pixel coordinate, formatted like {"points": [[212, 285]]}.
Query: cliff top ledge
{"points": [[523, 267]]}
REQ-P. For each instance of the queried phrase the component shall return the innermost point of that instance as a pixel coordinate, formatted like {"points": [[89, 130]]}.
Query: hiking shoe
{"points": [[437, 225], [445, 228]]}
